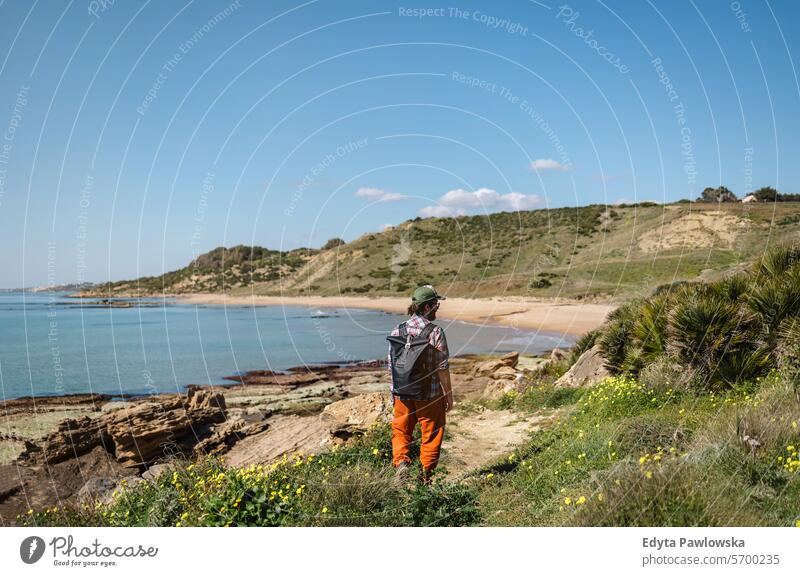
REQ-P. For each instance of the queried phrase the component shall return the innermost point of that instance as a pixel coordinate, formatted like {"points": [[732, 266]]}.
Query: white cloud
{"points": [[458, 202], [462, 198], [441, 211], [518, 201], [549, 164], [378, 194]]}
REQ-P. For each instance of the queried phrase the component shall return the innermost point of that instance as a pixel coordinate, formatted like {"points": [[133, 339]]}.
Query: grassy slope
{"points": [[574, 252], [628, 455], [621, 454]]}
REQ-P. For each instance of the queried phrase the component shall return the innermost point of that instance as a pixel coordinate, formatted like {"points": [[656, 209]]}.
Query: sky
{"points": [[139, 134]]}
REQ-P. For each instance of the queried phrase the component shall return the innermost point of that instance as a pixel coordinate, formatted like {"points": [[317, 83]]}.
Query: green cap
{"points": [[425, 293]]}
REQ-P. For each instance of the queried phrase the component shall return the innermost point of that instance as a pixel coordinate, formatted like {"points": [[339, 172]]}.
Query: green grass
{"points": [[352, 486], [620, 454], [629, 455]]}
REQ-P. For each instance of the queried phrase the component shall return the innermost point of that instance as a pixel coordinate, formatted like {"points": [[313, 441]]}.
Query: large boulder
{"points": [[589, 370], [137, 434], [357, 414], [502, 365], [153, 472], [97, 490], [504, 373]]}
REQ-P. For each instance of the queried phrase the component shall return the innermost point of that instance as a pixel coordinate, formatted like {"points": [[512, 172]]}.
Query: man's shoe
{"points": [[401, 473], [425, 476]]}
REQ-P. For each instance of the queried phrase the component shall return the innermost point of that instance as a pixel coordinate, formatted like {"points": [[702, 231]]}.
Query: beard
{"points": [[431, 315]]}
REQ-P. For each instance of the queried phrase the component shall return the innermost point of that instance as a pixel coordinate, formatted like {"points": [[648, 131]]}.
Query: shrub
{"points": [[723, 334]]}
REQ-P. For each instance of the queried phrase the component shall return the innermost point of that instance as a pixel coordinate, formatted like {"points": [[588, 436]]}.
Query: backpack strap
{"points": [[429, 359], [426, 332]]}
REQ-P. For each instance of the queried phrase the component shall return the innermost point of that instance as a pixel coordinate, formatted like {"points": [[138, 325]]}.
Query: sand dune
{"points": [[571, 317]]}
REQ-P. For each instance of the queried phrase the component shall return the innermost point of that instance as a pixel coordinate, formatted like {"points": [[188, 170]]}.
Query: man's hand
{"points": [[444, 380], [448, 401]]}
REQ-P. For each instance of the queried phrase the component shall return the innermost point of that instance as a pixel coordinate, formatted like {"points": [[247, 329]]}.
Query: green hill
{"points": [[592, 251]]}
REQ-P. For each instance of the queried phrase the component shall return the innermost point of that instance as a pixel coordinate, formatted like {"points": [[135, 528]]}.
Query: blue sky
{"points": [[139, 134]]}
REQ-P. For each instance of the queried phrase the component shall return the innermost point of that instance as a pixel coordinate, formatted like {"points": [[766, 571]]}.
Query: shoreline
{"points": [[571, 317]]}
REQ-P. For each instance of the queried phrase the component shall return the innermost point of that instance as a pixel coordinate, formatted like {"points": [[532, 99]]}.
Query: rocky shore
{"points": [[73, 449]]}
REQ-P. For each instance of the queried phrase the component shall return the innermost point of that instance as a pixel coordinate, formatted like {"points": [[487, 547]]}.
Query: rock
{"points": [[558, 354], [149, 430], [587, 371], [358, 414], [72, 437], [491, 367], [101, 488], [145, 432], [227, 434], [200, 399], [137, 434], [97, 490], [488, 368], [504, 373], [268, 377], [511, 359], [156, 470], [495, 389], [10, 482], [29, 446]]}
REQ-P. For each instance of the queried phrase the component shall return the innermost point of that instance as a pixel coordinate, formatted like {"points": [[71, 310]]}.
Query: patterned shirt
{"points": [[415, 325]]}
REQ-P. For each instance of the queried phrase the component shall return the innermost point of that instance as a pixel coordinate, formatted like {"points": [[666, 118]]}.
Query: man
{"points": [[426, 408]]}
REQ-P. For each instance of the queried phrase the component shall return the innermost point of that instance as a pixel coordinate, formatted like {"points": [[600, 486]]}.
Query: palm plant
{"points": [[613, 341], [647, 334], [775, 299], [714, 335], [728, 333], [777, 260]]}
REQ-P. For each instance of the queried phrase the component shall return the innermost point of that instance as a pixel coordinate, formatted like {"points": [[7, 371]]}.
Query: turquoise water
{"points": [[50, 345]]}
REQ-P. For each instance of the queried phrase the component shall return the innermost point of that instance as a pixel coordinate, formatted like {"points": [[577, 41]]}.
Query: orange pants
{"points": [[431, 417]]}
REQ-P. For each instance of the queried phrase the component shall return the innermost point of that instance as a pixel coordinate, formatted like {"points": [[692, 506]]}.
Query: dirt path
{"points": [[477, 438]]}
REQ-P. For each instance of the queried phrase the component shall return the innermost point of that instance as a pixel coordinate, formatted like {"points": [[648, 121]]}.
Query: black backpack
{"points": [[413, 364]]}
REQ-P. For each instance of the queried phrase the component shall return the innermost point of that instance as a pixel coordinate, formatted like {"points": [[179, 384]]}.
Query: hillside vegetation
{"points": [[593, 251], [699, 427]]}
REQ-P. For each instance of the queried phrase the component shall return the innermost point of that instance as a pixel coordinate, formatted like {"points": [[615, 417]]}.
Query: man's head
{"points": [[425, 302]]}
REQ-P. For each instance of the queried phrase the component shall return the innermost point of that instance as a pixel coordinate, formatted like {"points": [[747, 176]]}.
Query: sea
{"points": [[51, 344]]}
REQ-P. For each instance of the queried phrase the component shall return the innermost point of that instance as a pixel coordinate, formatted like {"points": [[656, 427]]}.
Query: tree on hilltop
{"points": [[333, 243], [766, 194], [721, 194]]}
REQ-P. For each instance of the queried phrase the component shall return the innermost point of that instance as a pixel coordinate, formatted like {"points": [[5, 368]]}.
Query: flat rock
{"points": [[358, 414]]}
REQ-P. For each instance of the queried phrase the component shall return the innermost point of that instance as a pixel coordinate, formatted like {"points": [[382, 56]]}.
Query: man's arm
{"points": [[444, 369], [444, 379]]}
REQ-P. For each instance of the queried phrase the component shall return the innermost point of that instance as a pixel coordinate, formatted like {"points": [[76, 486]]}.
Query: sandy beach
{"points": [[575, 318]]}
